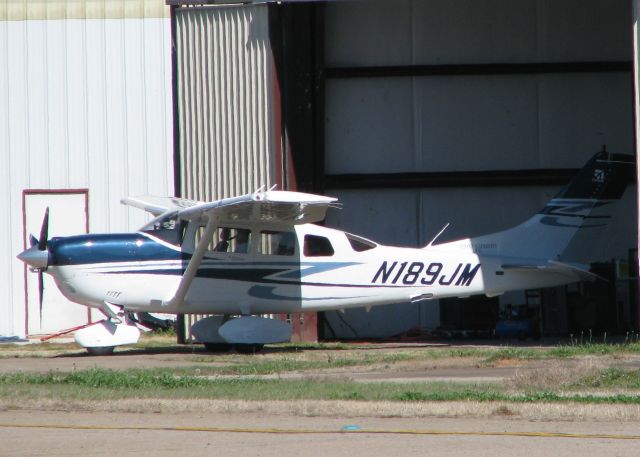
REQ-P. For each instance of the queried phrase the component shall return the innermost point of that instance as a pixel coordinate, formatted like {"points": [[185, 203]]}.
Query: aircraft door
{"points": [[68, 215]]}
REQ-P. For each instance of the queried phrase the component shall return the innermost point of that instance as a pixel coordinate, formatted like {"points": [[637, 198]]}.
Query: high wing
{"points": [[280, 207], [158, 205], [265, 207]]}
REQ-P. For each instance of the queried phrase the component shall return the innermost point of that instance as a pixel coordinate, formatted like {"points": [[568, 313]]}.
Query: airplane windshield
{"points": [[360, 244], [167, 227]]}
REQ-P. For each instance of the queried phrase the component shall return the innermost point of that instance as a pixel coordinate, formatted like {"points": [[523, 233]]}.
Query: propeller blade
{"points": [[44, 231], [40, 293], [33, 241]]}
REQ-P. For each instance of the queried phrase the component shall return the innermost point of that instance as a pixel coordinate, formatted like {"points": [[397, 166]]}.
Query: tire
{"points": [[217, 347], [104, 350], [248, 348]]}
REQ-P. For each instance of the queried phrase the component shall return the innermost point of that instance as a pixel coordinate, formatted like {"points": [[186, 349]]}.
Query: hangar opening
{"points": [[417, 114]]}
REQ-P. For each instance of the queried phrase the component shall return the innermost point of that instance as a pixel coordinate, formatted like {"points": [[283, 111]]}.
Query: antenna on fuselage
{"points": [[439, 233]]}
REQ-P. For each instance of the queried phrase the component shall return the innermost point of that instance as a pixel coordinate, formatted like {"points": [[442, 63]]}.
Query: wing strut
{"points": [[194, 264]]}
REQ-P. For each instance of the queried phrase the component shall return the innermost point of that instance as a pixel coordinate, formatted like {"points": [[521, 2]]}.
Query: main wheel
{"points": [[103, 350], [248, 348], [217, 347]]}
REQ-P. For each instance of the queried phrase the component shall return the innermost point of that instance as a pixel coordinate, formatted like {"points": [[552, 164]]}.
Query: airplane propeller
{"points": [[37, 256], [42, 246]]}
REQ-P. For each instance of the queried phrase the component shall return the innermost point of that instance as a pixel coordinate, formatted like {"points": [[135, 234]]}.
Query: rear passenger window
{"points": [[317, 246]]}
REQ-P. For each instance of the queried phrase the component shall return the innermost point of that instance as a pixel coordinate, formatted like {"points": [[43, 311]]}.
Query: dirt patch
{"points": [[507, 363]]}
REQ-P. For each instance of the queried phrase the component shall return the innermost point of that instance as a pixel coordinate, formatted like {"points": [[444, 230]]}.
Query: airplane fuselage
{"points": [[260, 253], [141, 272]]}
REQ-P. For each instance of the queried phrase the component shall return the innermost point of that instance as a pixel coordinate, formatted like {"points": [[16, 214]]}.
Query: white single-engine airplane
{"points": [[260, 254]]}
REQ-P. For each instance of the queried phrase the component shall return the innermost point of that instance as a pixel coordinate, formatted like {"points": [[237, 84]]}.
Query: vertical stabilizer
{"points": [[583, 207]]}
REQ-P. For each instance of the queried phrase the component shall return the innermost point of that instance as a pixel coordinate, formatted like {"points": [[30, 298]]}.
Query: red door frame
{"points": [[25, 193]]}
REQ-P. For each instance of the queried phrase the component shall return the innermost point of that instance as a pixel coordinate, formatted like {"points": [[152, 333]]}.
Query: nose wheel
{"points": [[102, 337], [104, 350]]}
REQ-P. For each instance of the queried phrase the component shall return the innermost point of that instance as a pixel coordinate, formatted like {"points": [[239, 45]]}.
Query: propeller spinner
{"points": [[37, 256]]}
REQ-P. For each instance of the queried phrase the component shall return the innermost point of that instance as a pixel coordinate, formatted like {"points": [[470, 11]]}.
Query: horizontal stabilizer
{"points": [[579, 271]]}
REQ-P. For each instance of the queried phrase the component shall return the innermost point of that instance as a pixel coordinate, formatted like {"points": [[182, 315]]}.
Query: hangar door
{"points": [[48, 311], [430, 103]]}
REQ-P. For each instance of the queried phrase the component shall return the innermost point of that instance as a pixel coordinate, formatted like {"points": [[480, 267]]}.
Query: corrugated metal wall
{"points": [[227, 104], [85, 102]]}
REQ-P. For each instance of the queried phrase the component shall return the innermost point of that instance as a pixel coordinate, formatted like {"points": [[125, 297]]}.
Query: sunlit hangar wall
{"points": [[85, 103], [469, 113], [228, 138]]}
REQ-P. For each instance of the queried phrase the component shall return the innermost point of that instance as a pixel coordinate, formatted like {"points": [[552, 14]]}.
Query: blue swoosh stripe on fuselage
{"points": [[257, 275], [253, 276]]}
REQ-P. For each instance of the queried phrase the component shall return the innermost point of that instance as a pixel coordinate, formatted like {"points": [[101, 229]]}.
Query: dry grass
{"points": [[538, 411], [557, 374]]}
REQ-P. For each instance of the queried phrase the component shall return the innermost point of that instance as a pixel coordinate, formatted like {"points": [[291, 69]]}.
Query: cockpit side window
{"points": [[273, 242], [317, 246], [234, 240], [226, 239], [168, 228]]}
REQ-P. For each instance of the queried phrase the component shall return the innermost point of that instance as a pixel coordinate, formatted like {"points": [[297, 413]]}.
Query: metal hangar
{"points": [[415, 113]]}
